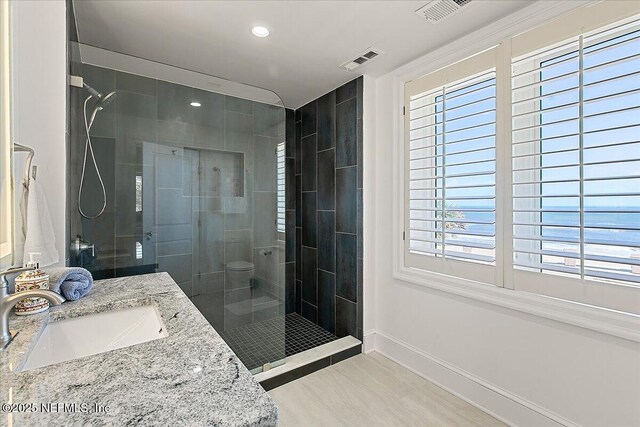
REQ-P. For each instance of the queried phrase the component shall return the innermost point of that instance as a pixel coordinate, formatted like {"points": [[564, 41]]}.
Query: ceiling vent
{"points": [[361, 59], [437, 10]]}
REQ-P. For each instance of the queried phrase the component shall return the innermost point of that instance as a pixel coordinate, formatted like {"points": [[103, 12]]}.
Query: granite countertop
{"points": [[190, 377]]}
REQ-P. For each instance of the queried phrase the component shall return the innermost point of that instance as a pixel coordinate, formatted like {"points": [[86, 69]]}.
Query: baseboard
{"points": [[499, 403]]}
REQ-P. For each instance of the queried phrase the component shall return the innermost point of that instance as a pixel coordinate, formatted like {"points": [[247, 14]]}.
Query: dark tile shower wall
{"points": [[328, 211], [290, 212]]}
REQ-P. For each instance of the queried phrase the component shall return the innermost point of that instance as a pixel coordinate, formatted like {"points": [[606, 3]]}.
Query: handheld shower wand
{"points": [[97, 95], [101, 102]]}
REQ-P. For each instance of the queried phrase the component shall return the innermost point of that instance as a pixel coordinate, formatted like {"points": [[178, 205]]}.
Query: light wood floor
{"points": [[371, 390]]}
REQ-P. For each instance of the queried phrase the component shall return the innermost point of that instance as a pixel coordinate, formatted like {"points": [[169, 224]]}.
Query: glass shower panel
{"points": [[192, 188]]}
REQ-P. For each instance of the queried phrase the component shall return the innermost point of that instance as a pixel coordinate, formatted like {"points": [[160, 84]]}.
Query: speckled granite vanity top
{"points": [[190, 377]]}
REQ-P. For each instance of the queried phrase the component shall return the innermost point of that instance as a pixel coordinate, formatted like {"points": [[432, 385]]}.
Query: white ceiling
{"points": [[309, 39]]}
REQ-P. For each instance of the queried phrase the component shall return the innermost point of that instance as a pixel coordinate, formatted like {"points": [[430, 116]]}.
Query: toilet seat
{"points": [[240, 266]]}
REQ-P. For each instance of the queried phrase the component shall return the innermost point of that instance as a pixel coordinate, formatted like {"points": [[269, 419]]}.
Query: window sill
{"points": [[618, 324]]}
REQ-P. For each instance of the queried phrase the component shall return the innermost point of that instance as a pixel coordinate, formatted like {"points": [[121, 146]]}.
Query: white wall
{"points": [[525, 369], [39, 99], [368, 197]]}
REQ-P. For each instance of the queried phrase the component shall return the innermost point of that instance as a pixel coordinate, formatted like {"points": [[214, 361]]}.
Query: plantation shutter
{"points": [[280, 161], [450, 119], [576, 157]]}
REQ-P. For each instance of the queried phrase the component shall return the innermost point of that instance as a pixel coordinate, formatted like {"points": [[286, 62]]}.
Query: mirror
{"points": [[6, 198]]}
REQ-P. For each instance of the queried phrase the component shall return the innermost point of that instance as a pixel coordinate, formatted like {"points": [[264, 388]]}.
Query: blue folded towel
{"points": [[71, 282]]}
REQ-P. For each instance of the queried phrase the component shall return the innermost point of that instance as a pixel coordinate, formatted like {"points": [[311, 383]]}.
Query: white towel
{"points": [[39, 236]]}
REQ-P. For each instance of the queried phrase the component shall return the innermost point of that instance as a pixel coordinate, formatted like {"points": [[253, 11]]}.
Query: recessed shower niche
{"points": [[215, 173]]}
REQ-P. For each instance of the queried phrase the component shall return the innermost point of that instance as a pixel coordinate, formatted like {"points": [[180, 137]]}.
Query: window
{"points": [[452, 171], [522, 163], [280, 168], [138, 193], [451, 157], [138, 250], [576, 158]]}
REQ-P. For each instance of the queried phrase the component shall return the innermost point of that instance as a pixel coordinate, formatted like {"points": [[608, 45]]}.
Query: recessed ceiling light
{"points": [[196, 104], [260, 31]]}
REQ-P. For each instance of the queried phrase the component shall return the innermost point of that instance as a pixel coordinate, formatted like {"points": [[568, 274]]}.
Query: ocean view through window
{"points": [[452, 171], [451, 121], [522, 164], [576, 158]]}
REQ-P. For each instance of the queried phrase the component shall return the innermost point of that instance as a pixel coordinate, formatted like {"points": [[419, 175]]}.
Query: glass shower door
{"points": [[210, 217], [236, 256], [192, 182]]}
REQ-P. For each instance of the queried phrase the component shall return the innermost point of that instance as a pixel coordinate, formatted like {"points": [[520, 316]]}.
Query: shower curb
{"points": [[309, 361]]}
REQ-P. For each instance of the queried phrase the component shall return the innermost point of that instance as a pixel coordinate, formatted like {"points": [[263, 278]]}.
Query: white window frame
{"points": [[591, 16], [600, 293]]}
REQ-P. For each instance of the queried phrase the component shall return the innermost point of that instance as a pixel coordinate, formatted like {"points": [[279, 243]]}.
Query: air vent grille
{"points": [[364, 57], [437, 10]]}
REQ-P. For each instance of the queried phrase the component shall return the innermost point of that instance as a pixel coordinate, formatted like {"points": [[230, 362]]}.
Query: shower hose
{"points": [[88, 147]]}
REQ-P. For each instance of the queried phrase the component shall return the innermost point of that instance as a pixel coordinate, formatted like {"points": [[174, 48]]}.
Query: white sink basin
{"points": [[95, 333]]}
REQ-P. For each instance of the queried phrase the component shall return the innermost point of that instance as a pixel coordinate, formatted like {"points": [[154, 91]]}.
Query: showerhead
{"points": [[106, 99], [102, 100]]}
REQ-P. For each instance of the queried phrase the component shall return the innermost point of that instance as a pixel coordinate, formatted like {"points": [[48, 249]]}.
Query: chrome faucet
{"points": [[7, 301]]}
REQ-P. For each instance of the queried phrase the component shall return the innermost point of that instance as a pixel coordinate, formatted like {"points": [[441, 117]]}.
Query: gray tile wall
{"points": [[291, 183], [328, 211], [209, 191]]}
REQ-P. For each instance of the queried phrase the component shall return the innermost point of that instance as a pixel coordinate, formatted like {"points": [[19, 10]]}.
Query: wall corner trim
{"points": [[369, 341]]}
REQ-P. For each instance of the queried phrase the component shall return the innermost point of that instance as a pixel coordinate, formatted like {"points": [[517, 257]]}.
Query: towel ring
{"points": [[27, 166]]}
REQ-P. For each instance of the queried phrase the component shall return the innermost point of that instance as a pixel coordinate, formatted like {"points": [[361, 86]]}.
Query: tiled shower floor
{"points": [[275, 339]]}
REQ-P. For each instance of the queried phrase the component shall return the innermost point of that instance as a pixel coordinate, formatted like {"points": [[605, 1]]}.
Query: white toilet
{"points": [[239, 274]]}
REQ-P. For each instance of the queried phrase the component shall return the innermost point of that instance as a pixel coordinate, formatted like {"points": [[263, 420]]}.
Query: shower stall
{"points": [[183, 173]]}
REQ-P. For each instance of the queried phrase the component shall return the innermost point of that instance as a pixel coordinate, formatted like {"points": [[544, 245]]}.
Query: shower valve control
{"points": [[79, 245]]}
